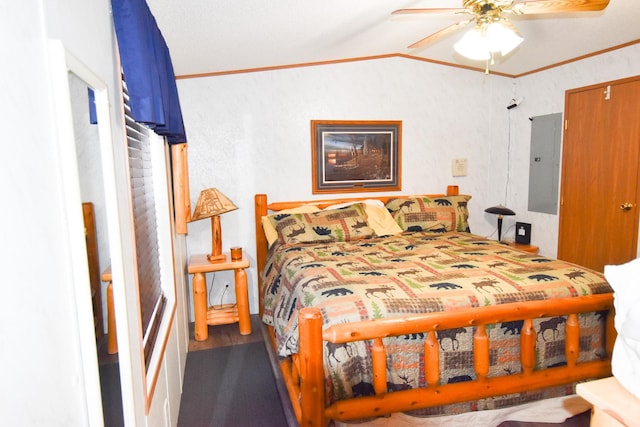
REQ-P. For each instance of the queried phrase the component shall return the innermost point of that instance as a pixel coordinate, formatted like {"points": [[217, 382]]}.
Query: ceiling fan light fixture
{"points": [[493, 33], [473, 46], [502, 39], [481, 42]]}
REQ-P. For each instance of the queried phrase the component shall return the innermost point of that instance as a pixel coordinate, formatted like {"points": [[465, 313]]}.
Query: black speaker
{"points": [[523, 233]]}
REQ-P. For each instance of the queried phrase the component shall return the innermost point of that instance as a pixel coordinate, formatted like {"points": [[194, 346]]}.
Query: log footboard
{"points": [[304, 373]]}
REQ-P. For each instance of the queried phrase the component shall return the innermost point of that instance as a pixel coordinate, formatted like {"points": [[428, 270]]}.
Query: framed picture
{"points": [[354, 156]]}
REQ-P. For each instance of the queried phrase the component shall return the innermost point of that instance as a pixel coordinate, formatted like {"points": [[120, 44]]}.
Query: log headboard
{"points": [[262, 207]]}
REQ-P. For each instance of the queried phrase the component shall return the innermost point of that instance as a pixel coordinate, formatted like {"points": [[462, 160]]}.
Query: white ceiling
{"points": [[207, 36]]}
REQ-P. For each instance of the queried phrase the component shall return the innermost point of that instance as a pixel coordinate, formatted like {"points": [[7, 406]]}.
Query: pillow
{"points": [[625, 360], [379, 218], [271, 233], [459, 204], [421, 214], [343, 224], [381, 221], [446, 213]]}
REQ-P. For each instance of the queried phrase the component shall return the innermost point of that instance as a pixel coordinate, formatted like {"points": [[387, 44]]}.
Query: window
{"points": [[141, 170]]}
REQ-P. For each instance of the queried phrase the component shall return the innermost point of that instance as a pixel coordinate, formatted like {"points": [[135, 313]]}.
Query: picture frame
{"points": [[356, 156]]}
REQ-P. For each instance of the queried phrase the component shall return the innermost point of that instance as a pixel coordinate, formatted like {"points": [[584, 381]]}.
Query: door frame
{"points": [[62, 63]]}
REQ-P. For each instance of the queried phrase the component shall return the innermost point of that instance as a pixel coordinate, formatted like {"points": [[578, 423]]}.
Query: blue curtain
{"points": [[147, 69], [93, 114]]}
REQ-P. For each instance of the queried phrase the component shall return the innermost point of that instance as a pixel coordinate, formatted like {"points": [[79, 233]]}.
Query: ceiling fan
{"points": [[493, 32]]}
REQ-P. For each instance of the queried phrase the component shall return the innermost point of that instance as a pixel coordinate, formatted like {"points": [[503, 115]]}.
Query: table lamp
{"points": [[211, 204], [500, 210]]}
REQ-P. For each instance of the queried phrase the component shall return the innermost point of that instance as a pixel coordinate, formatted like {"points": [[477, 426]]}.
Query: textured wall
{"points": [[250, 133]]}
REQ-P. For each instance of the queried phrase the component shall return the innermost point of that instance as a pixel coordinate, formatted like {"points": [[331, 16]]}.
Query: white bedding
{"points": [[625, 362]]}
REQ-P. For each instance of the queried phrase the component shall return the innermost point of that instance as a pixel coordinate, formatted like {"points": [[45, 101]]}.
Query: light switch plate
{"points": [[459, 167]]}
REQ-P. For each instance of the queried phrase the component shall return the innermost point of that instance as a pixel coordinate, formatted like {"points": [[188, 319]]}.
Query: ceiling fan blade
{"points": [[438, 34], [557, 6], [430, 10]]}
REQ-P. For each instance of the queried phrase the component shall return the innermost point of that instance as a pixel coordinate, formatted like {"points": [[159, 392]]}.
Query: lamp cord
{"points": [[506, 185], [222, 296], [213, 278]]}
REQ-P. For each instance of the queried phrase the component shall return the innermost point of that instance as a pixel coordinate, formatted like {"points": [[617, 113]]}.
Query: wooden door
{"points": [[599, 191]]}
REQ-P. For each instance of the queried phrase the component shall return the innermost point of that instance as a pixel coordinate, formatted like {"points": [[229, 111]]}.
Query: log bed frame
{"points": [[303, 373]]}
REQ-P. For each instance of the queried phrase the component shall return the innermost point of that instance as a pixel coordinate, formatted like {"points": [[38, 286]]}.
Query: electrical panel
{"points": [[544, 164]]}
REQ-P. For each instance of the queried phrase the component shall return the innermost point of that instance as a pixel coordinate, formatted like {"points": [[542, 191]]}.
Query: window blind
{"points": [[141, 170]]}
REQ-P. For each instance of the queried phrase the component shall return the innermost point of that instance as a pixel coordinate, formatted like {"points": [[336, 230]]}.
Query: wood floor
{"points": [[224, 335]]}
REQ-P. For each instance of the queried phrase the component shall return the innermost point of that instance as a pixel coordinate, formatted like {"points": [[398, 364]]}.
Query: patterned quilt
{"points": [[415, 273]]}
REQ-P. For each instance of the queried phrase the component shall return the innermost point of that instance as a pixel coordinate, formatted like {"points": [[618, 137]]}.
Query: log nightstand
{"points": [[199, 265]]}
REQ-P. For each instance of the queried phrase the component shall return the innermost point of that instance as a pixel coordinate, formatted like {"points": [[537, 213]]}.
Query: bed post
{"points": [[311, 367], [260, 207]]}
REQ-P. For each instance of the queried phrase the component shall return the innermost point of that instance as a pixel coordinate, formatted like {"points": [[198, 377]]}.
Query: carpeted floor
{"points": [[230, 386], [111, 395]]}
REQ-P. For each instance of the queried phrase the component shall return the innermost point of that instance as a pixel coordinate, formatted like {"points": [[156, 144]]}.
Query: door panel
{"points": [[625, 151], [599, 174]]}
